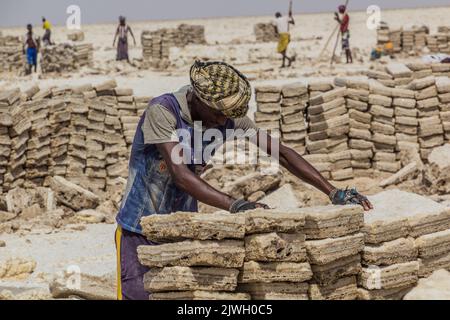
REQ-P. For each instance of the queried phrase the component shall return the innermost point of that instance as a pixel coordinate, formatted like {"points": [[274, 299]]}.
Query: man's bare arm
{"points": [[299, 167], [115, 37], [132, 34], [187, 181]]}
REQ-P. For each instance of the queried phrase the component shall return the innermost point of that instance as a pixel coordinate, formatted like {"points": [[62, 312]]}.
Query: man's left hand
{"points": [[350, 196]]}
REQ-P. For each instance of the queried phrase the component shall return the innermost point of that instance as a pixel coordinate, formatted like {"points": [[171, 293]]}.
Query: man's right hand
{"points": [[243, 205]]}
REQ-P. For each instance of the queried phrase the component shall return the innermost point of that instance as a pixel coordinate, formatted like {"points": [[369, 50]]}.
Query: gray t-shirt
{"points": [[160, 124]]}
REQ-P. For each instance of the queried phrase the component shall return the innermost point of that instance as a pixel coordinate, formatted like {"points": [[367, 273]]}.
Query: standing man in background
{"points": [[31, 48], [122, 45], [46, 25], [344, 21], [282, 25]]}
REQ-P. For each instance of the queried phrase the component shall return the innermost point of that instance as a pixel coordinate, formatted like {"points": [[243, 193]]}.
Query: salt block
{"points": [[275, 247], [226, 254], [394, 276], [398, 70], [402, 93], [107, 85], [265, 221], [375, 99], [330, 272], [443, 84], [326, 106], [294, 89], [189, 225], [283, 198], [435, 287], [392, 252], [423, 83], [269, 107], [268, 88], [268, 96], [198, 295], [327, 250], [397, 214], [328, 96], [91, 287], [428, 266], [434, 244], [190, 279], [440, 156], [425, 223], [320, 85], [275, 272], [72, 195], [275, 290], [343, 289], [384, 294], [332, 221]]}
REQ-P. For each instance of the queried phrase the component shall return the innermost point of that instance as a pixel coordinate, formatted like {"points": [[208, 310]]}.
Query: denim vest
{"points": [[150, 187]]}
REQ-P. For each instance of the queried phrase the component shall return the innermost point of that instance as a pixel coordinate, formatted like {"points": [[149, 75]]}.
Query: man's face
{"points": [[211, 118]]}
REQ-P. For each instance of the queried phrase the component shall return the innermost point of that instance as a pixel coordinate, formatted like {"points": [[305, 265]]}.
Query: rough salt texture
{"points": [[392, 252], [343, 289], [198, 295], [428, 266], [399, 214], [327, 250], [274, 272], [190, 279], [226, 254], [264, 221], [73, 195], [91, 287], [188, 225], [383, 294], [275, 247], [434, 244], [330, 272], [394, 276], [275, 290], [332, 221], [435, 287], [283, 198]]}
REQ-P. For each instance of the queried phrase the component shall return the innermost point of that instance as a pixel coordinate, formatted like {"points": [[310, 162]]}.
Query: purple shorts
{"points": [[130, 273]]}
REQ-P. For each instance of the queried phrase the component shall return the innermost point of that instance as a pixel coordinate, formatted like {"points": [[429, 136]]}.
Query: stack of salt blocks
{"points": [[360, 136], [430, 129], [292, 123], [329, 125], [407, 236], [8, 99], [383, 129], [443, 88], [268, 106], [309, 253]]}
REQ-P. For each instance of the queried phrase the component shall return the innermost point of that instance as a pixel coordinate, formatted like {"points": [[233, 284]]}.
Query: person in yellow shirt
{"points": [[46, 39]]}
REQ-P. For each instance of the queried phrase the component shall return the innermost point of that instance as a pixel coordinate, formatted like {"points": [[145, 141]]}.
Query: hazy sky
{"points": [[20, 12]]}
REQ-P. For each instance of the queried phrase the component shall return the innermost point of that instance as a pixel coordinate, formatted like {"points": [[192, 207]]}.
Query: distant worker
{"points": [[344, 21], [282, 26], [386, 50], [31, 48], [46, 25], [122, 45]]}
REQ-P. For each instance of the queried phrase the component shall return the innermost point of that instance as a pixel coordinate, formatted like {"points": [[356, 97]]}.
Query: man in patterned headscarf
{"points": [[158, 183]]}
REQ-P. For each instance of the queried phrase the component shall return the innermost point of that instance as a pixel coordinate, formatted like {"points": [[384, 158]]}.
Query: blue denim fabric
{"points": [[150, 188]]}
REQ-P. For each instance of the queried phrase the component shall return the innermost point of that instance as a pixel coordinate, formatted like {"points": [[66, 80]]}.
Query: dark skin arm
{"points": [[131, 32], [115, 37], [299, 167], [190, 183]]}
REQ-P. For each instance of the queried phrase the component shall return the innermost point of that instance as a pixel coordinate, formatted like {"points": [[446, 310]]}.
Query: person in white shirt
{"points": [[282, 26]]}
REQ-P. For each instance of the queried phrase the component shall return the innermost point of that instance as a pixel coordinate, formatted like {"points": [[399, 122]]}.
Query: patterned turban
{"points": [[221, 87]]}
